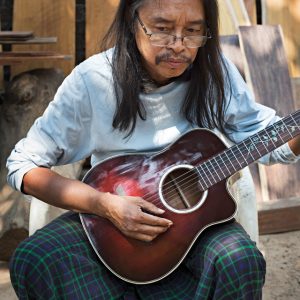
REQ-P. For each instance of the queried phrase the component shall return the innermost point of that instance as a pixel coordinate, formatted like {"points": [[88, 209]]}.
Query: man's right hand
{"points": [[135, 217]]}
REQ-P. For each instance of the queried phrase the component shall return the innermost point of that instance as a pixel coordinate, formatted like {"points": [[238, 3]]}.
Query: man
{"points": [[164, 76]]}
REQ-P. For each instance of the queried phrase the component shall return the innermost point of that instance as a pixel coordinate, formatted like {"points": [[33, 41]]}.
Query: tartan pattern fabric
{"points": [[57, 262]]}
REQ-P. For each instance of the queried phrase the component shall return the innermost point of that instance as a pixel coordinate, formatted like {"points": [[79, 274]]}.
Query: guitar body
{"points": [[157, 177]]}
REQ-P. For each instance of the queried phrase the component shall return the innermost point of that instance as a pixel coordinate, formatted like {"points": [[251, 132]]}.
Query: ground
{"points": [[283, 268]]}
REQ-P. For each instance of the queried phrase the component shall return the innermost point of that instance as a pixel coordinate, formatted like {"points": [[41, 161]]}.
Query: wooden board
{"points": [[287, 14], [99, 15], [46, 18], [279, 216], [267, 74]]}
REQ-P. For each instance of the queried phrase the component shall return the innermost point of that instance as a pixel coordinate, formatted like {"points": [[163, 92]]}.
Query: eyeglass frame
{"points": [[175, 37]]}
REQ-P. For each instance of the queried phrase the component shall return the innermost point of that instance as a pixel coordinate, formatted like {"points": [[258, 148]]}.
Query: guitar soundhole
{"points": [[180, 189]]}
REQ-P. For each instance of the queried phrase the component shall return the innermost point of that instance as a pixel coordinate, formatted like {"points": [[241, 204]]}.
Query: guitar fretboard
{"points": [[248, 151]]}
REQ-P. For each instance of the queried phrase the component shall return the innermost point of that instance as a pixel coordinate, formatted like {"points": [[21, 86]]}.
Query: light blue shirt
{"points": [[78, 122]]}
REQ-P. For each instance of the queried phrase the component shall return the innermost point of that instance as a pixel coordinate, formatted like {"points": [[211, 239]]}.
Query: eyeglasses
{"points": [[161, 39]]}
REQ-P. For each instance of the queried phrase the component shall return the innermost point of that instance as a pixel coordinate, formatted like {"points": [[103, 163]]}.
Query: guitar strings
{"points": [[232, 155], [183, 178], [211, 178]]}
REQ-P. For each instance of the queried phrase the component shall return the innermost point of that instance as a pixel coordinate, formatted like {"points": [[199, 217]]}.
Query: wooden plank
{"points": [[15, 35], [279, 216], [287, 14], [46, 18], [34, 40], [267, 74], [11, 58], [99, 15]]}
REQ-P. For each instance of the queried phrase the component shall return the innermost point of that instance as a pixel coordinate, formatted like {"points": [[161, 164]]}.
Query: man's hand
{"points": [[129, 215]]}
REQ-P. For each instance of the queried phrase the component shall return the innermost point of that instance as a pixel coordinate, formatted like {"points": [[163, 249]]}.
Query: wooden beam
{"points": [[279, 216]]}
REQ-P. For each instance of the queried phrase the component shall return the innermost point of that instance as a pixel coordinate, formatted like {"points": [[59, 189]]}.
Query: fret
{"points": [[249, 153], [202, 179], [287, 129], [207, 171], [265, 140], [242, 155], [252, 147], [279, 129], [234, 168], [215, 159], [272, 139], [296, 125], [235, 157], [220, 155], [216, 172]]}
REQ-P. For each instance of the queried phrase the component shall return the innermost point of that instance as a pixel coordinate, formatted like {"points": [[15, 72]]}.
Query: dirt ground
{"points": [[282, 253]]}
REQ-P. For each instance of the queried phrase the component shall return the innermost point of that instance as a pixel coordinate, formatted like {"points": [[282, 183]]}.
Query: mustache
{"points": [[167, 56]]}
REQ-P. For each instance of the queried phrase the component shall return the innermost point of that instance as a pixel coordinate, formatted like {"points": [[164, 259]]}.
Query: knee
{"points": [[24, 259], [30, 261], [241, 261]]}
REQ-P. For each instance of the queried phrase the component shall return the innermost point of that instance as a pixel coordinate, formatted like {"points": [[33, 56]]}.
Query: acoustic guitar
{"points": [[189, 180]]}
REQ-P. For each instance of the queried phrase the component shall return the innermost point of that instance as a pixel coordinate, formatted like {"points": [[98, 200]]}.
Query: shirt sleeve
{"points": [[60, 136], [245, 117]]}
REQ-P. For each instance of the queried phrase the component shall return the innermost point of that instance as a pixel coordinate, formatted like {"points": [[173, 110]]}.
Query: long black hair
{"points": [[204, 103]]}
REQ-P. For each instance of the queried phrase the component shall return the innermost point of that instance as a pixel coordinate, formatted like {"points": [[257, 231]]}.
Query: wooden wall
{"points": [[46, 18], [57, 18], [99, 15]]}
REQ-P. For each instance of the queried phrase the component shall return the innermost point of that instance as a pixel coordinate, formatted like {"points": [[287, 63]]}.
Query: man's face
{"points": [[176, 17]]}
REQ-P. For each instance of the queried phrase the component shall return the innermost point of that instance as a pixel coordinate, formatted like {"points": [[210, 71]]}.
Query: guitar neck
{"points": [[248, 151]]}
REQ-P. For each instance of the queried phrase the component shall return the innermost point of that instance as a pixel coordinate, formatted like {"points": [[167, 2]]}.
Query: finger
{"points": [[152, 230], [150, 207], [155, 221]]}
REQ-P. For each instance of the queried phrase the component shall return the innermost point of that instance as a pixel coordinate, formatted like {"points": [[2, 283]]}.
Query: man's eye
{"points": [[193, 30], [162, 29]]}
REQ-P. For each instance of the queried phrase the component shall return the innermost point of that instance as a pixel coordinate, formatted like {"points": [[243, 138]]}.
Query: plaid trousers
{"points": [[57, 262]]}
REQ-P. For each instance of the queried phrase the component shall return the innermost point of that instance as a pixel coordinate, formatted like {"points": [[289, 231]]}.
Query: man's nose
{"points": [[177, 44]]}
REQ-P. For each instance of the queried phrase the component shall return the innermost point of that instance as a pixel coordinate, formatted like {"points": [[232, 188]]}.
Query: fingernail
{"points": [[161, 210]]}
